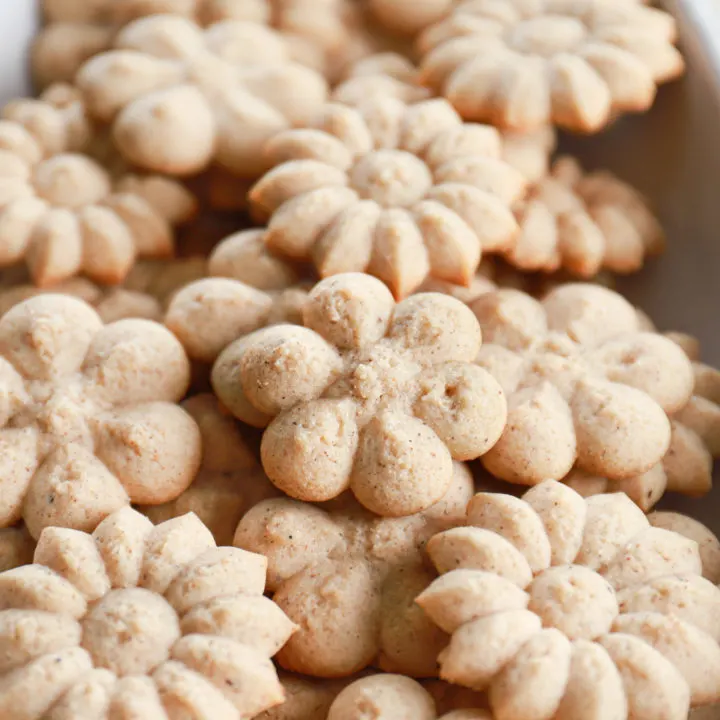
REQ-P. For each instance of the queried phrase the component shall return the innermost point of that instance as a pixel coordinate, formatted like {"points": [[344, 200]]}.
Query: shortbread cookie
{"points": [[37, 128], [586, 388], [348, 580], [230, 480], [64, 217], [584, 223], [569, 608], [400, 191], [393, 697], [89, 420], [370, 395], [138, 621], [577, 65], [390, 75], [190, 96]]}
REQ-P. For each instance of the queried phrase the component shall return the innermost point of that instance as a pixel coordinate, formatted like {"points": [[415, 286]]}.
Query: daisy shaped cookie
{"points": [[138, 621], [64, 218], [400, 191], [180, 97], [577, 65], [89, 420], [569, 608], [586, 387], [584, 223], [370, 395], [348, 580]]}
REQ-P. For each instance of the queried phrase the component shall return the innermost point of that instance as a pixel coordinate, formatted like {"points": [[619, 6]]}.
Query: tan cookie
{"points": [[372, 396], [575, 65], [64, 216], [391, 75], [407, 17], [586, 388], [400, 191], [89, 420], [230, 480], [190, 96], [37, 128], [348, 579], [138, 620], [584, 223], [563, 607]]}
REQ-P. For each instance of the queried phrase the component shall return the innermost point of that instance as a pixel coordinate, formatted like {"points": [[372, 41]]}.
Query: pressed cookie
{"points": [[230, 480], [138, 621], [371, 395], [586, 388], [190, 96], [64, 216], [400, 191], [563, 607], [89, 420], [583, 223], [577, 65], [348, 579]]}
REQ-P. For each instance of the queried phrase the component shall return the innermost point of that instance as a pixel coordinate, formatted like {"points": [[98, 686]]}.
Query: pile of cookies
{"points": [[317, 398]]}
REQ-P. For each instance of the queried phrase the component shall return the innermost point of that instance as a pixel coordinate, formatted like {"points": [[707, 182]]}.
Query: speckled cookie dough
{"points": [[37, 128], [563, 607], [577, 65], [586, 388], [189, 96], [63, 216], [138, 621], [230, 480], [584, 223], [393, 697], [400, 191], [89, 420], [370, 395], [348, 580]]}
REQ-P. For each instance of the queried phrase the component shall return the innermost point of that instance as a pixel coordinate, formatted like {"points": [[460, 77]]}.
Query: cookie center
{"points": [[392, 178], [547, 36], [575, 600], [130, 632]]}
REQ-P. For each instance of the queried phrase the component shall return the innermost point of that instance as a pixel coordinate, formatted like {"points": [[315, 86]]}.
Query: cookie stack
{"points": [[317, 398]]}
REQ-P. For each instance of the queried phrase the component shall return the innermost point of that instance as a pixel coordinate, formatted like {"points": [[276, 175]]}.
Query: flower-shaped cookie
{"points": [[370, 395], [88, 415], [230, 480], [398, 191], [584, 223], [586, 388], [562, 607], [520, 64], [56, 122], [64, 217], [393, 697], [390, 75], [180, 97], [348, 579], [138, 621]]}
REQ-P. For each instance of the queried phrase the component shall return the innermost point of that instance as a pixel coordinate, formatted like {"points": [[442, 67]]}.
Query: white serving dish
{"points": [[673, 155], [18, 25]]}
